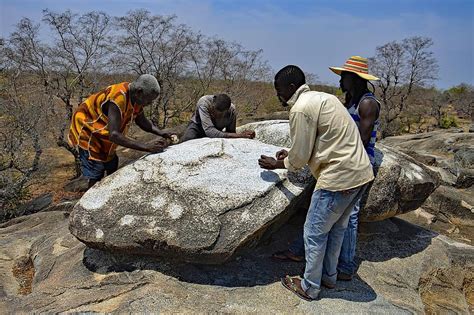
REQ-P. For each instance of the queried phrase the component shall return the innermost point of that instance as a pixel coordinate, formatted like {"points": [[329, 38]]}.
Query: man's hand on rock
{"points": [[157, 146], [267, 162], [281, 155], [167, 135], [248, 134]]}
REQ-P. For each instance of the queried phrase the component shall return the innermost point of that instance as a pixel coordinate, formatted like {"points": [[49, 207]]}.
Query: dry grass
{"points": [[57, 168], [24, 271]]}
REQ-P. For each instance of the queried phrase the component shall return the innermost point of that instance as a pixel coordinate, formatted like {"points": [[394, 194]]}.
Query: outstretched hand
{"points": [[167, 135], [267, 162], [157, 146], [248, 134]]}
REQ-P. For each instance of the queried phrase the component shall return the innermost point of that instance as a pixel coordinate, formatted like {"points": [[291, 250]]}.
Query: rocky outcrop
{"points": [[202, 200], [403, 270], [464, 157], [250, 118], [451, 204], [198, 201], [35, 205], [402, 183], [448, 152]]}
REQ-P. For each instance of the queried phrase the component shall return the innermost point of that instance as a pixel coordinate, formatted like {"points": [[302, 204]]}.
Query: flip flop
{"points": [[286, 255], [288, 283]]}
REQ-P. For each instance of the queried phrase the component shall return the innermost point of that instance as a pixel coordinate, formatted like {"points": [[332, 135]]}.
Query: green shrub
{"points": [[448, 121]]}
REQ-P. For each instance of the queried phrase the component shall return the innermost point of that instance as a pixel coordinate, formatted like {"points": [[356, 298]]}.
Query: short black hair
{"points": [[290, 74], [222, 102]]}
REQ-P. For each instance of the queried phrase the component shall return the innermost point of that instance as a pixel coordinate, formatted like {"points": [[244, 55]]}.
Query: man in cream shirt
{"points": [[324, 137]]}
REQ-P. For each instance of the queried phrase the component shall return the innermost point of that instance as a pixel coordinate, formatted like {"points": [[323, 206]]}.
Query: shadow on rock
{"points": [[391, 238], [356, 290], [270, 176], [250, 267]]}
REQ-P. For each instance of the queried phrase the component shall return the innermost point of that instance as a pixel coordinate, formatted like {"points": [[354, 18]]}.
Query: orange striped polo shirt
{"points": [[89, 124]]}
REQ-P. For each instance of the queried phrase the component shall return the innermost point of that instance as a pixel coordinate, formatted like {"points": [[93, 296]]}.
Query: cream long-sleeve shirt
{"points": [[324, 136]]}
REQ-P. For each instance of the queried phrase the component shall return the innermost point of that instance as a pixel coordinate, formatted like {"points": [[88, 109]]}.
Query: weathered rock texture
{"points": [[452, 156], [199, 201], [450, 153], [403, 270], [402, 184]]}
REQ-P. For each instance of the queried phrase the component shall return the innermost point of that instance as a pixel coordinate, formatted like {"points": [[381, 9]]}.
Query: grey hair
{"points": [[147, 83]]}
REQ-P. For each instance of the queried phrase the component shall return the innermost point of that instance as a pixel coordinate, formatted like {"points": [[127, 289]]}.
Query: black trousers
{"points": [[193, 131]]}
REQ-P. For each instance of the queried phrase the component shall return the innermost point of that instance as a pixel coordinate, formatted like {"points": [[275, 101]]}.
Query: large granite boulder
{"points": [[198, 201], [402, 183]]}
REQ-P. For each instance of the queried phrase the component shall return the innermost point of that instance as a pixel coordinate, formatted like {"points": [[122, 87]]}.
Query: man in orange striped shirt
{"points": [[101, 122]]}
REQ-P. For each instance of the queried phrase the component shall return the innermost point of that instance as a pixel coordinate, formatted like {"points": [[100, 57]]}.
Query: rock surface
{"points": [[464, 157], [402, 184], [35, 205], [198, 201], [451, 204], [403, 270]]}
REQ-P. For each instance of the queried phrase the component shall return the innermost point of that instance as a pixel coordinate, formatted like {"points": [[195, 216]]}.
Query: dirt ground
{"points": [[56, 170]]}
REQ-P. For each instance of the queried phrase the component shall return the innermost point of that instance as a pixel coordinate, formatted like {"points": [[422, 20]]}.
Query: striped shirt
{"points": [[89, 126], [354, 111]]}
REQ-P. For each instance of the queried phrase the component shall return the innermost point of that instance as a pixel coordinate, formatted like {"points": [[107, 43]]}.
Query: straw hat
{"points": [[357, 65]]}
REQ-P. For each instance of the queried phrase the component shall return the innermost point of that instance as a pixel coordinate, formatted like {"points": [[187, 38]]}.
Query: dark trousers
{"points": [[193, 131], [95, 170]]}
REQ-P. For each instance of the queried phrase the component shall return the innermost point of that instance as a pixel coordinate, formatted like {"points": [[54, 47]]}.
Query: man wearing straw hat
{"points": [[364, 109]]}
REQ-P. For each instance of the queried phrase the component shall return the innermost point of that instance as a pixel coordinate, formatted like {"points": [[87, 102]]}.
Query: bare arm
{"points": [[115, 120], [146, 125], [368, 112]]}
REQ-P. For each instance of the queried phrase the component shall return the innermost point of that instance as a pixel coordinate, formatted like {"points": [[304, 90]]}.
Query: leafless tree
{"points": [[401, 67], [229, 68], [462, 98], [20, 132], [186, 64], [68, 69], [54, 75], [157, 45], [78, 56]]}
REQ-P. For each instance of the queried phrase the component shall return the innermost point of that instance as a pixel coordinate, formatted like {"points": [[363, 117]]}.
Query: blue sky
{"points": [[312, 34]]}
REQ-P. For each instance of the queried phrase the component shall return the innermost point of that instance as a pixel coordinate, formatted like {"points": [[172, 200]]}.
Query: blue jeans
{"points": [[326, 222], [346, 263], [96, 170]]}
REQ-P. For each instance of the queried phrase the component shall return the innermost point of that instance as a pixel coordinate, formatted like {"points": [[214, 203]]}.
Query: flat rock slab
{"points": [[198, 201], [402, 183], [403, 270]]}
